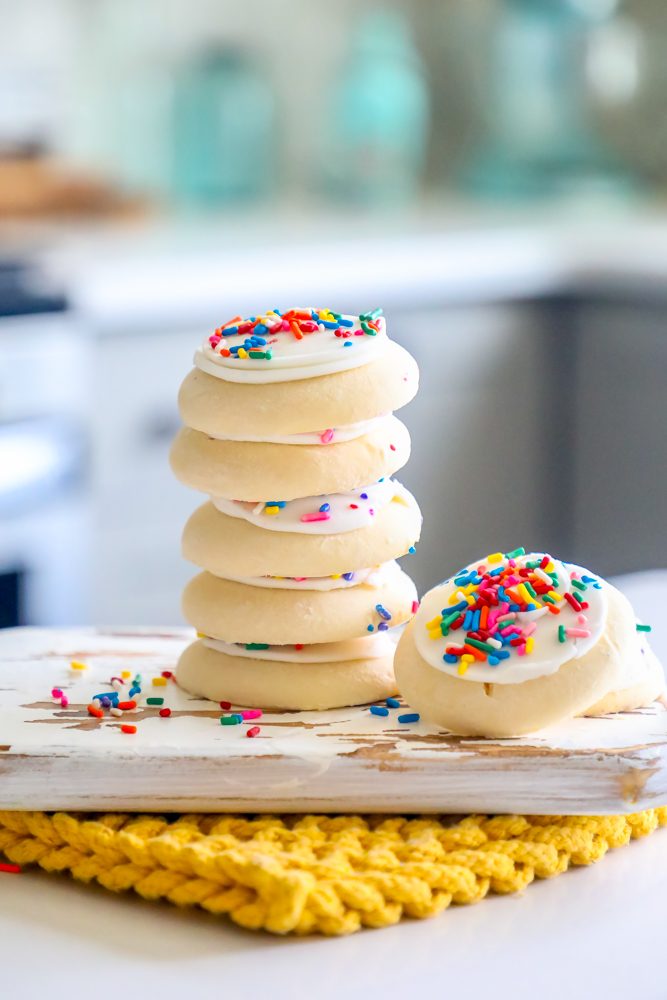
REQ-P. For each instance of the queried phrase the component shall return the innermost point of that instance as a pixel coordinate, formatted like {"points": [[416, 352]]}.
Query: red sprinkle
{"points": [[253, 731], [392, 447], [125, 706], [226, 705], [572, 601], [354, 506], [167, 674], [64, 701], [298, 645], [11, 869], [128, 729], [415, 607], [165, 713]]}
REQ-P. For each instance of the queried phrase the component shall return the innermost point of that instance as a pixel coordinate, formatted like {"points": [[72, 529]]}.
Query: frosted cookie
{"points": [[236, 612], [517, 642], [326, 405], [255, 470], [319, 677], [364, 528]]}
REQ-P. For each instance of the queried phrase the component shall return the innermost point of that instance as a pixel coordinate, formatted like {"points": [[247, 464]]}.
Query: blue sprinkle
{"points": [[345, 322], [393, 703], [370, 628], [515, 607], [383, 613], [278, 312], [381, 479], [496, 572], [475, 621], [382, 627], [230, 331], [450, 658], [467, 621], [348, 576], [328, 325], [347, 343], [412, 550], [493, 661], [261, 328], [409, 717], [325, 507], [588, 579], [275, 503], [133, 691], [531, 606], [502, 654], [363, 496], [259, 341], [379, 710], [107, 694]]}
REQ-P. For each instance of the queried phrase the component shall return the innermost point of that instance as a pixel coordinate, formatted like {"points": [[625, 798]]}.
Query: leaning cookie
{"points": [[236, 612], [306, 678], [242, 541], [517, 642], [255, 470], [327, 405]]}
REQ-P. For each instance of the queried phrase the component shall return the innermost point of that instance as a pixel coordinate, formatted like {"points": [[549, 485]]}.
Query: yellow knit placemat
{"points": [[315, 874]]}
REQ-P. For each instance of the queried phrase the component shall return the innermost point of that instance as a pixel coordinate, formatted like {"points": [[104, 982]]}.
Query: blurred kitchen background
{"points": [[492, 172]]}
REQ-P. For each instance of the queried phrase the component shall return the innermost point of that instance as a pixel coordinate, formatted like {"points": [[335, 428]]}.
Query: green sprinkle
{"points": [[230, 720], [446, 622], [517, 552], [256, 645], [367, 330], [155, 701], [484, 646], [530, 589], [643, 628], [578, 585], [268, 355], [561, 634], [256, 354], [549, 600]]}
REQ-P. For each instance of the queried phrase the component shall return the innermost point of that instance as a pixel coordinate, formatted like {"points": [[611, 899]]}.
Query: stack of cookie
{"points": [[289, 430]]}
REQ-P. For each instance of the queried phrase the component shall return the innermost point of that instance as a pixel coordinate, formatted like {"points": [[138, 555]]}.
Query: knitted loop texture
{"points": [[315, 874]]}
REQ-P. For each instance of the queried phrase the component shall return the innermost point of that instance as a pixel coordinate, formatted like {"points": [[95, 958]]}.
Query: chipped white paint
{"points": [[339, 761]]}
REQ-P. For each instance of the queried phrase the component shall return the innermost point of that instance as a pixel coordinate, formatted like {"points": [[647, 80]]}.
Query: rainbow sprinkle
{"points": [[488, 600], [261, 331]]}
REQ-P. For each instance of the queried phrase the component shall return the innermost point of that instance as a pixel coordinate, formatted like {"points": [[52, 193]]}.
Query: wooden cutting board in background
{"points": [[338, 761]]}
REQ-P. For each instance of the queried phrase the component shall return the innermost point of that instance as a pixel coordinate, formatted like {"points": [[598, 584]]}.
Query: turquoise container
{"points": [[224, 130], [377, 130]]}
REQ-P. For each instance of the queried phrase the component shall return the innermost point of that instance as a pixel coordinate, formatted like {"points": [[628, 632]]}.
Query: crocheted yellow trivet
{"points": [[315, 874]]}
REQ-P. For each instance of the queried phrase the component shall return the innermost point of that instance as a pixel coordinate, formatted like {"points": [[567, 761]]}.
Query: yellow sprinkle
{"points": [[242, 353], [434, 623], [469, 589], [550, 567], [462, 668], [435, 635], [467, 658], [336, 576], [494, 557], [271, 510], [524, 593], [125, 674], [397, 498], [200, 635], [530, 642], [76, 665], [159, 682], [555, 596]]}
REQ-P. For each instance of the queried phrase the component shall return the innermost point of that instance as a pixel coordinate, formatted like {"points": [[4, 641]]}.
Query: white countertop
{"points": [[594, 932], [165, 271]]}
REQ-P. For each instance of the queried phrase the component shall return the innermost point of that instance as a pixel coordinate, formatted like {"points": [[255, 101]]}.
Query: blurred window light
{"points": [[613, 61]]}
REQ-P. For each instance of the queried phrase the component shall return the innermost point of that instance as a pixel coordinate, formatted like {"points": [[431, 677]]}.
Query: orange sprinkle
{"points": [[483, 616], [296, 329], [128, 729], [126, 706], [553, 610], [231, 322], [97, 713], [477, 653]]}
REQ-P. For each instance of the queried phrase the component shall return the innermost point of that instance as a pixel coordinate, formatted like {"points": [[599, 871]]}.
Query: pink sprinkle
{"points": [[392, 447], [577, 633], [251, 713], [327, 436], [582, 620], [521, 650], [56, 693], [529, 629], [299, 579], [511, 562], [316, 516], [371, 511], [64, 701], [285, 325], [508, 629], [415, 607], [358, 333]]}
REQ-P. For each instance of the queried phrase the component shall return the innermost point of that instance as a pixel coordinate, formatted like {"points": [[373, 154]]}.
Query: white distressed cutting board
{"points": [[339, 761]]}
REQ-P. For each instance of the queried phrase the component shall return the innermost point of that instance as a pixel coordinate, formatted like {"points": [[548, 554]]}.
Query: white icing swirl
{"points": [[548, 653], [328, 435], [370, 647], [318, 353], [371, 577], [346, 511]]}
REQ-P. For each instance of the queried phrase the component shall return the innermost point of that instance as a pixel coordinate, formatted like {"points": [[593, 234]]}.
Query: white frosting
{"points": [[371, 577], [347, 511], [548, 653], [317, 353], [328, 435], [364, 648]]}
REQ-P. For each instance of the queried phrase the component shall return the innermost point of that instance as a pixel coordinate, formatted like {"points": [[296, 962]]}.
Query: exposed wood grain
{"points": [[345, 760]]}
